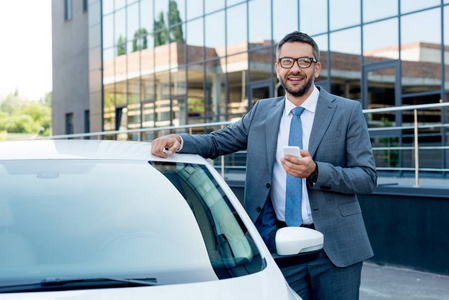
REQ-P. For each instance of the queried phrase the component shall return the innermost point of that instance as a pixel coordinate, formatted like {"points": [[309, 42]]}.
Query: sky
{"points": [[25, 48]]}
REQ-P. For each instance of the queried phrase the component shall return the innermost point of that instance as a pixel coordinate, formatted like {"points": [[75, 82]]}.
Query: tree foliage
{"points": [[173, 17], [22, 116], [140, 41], [121, 46]]}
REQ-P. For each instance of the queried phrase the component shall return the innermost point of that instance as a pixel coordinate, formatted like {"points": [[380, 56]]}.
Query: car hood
{"points": [[267, 284]]}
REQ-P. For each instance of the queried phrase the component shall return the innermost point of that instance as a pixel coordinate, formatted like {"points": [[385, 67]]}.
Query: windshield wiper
{"points": [[59, 284]]}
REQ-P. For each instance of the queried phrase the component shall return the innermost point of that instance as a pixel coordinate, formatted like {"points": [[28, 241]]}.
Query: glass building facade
{"points": [[179, 62]]}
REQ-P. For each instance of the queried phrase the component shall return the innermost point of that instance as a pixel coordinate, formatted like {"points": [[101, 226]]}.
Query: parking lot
{"points": [[388, 282]]}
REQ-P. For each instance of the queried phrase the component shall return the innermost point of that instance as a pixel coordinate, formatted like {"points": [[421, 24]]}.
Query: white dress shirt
{"points": [[278, 187]]}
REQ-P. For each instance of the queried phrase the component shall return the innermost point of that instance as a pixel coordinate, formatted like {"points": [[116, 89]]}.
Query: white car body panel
{"points": [[266, 284]]}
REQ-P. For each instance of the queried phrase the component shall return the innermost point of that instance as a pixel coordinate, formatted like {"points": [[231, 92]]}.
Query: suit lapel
{"points": [[272, 122], [324, 113]]}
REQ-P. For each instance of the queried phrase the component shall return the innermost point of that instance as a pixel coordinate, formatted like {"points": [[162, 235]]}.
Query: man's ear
{"points": [[317, 69]]}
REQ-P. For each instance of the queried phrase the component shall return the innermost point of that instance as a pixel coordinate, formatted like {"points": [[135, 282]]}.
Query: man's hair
{"points": [[298, 37]]}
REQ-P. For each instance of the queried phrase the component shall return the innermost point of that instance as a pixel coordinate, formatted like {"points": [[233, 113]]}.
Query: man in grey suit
{"points": [[336, 163]]}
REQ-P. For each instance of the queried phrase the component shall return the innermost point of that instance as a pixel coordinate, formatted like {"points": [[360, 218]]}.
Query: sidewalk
{"points": [[387, 282]]}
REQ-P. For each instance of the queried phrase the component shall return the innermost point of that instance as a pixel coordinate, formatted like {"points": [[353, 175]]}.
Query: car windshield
{"points": [[170, 222]]}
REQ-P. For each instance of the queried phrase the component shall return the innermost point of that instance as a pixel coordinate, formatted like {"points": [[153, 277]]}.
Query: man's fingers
{"points": [[174, 148], [160, 144]]}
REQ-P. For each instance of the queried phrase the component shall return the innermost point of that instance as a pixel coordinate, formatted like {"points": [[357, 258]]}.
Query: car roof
{"points": [[86, 149]]}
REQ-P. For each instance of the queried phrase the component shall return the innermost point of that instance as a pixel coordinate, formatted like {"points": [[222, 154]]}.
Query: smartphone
{"points": [[292, 150]]}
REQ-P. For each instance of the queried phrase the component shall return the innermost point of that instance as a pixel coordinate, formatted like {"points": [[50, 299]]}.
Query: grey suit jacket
{"points": [[339, 144]]}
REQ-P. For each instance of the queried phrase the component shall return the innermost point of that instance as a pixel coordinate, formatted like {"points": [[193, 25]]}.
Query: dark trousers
{"points": [[320, 279]]}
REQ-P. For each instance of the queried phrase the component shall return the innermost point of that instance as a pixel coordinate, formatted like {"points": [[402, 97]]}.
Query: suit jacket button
{"points": [[259, 209], [268, 185]]}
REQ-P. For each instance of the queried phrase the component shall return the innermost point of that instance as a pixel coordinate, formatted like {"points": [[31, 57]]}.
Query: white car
{"points": [[107, 220]]}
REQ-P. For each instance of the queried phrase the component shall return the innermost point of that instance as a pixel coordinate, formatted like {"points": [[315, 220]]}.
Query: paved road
{"points": [[387, 282]]}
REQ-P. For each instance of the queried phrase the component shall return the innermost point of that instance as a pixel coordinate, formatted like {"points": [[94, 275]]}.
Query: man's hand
{"points": [[172, 141], [300, 167]]}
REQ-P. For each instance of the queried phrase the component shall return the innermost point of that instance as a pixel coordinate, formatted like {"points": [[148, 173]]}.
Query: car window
{"points": [[229, 245], [128, 219]]}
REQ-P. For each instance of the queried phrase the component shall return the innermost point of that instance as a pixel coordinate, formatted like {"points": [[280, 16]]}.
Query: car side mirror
{"points": [[297, 245], [295, 240]]}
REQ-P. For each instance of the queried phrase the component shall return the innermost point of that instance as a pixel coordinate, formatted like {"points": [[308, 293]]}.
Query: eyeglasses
{"points": [[303, 62]]}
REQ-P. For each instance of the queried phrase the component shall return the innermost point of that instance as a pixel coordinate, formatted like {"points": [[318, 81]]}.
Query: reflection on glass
{"points": [[160, 14], [195, 40], [380, 41], [121, 122], [148, 88], [177, 34], [237, 39], [285, 18], [133, 21], [381, 94], [134, 91], [195, 93], [147, 55], [146, 15], [232, 2], [322, 43], [379, 9], [161, 51], [133, 59], [163, 115], [134, 116], [148, 114], [237, 77], [388, 157], [258, 93], [413, 5], [176, 12], [215, 35], [313, 16], [119, 4], [421, 51], [108, 31], [345, 48], [259, 23], [194, 8], [344, 13], [446, 48], [178, 81], [179, 111], [108, 66], [120, 93], [211, 6], [428, 136], [108, 6], [109, 107], [120, 31], [215, 90], [260, 64]]}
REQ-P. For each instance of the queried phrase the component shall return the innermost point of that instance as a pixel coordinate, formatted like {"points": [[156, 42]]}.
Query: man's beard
{"points": [[300, 92]]}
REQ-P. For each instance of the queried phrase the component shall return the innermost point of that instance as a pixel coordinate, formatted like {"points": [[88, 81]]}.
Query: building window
{"points": [[69, 123], [68, 12], [85, 5]]}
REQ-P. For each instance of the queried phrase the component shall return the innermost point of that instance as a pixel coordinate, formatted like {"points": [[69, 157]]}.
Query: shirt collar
{"points": [[309, 104]]}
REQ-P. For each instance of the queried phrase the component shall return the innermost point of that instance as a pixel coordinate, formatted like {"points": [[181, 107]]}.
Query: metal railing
{"points": [[415, 148], [415, 128]]}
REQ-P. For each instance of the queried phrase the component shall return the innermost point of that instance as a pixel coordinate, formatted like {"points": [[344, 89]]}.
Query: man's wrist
{"points": [[314, 176]]}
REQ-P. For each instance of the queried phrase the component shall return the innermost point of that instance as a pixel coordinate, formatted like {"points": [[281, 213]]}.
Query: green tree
{"points": [[20, 116], [391, 157], [141, 33], [121, 46], [176, 34], [161, 37]]}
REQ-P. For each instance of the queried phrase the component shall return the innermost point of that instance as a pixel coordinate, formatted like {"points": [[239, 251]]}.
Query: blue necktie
{"points": [[293, 197]]}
